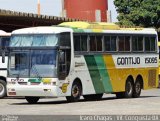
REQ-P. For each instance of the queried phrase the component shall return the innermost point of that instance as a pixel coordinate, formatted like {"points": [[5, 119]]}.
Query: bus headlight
{"points": [[47, 83]]}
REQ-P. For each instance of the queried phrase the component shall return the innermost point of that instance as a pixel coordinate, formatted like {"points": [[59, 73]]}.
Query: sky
{"points": [[48, 7]]}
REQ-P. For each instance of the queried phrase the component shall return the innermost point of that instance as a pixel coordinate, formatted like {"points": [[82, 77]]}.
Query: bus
{"points": [[159, 62], [77, 59], [4, 42]]}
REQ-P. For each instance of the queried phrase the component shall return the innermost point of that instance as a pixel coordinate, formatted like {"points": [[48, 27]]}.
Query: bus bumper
{"points": [[38, 91]]}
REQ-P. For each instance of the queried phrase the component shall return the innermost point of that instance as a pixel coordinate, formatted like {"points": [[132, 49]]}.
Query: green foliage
{"points": [[145, 13]]}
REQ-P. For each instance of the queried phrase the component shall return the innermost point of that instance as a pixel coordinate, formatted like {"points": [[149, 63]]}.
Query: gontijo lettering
{"points": [[128, 60]]}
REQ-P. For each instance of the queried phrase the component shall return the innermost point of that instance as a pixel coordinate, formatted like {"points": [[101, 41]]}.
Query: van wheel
{"points": [[128, 89], [93, 97], [137, 89], [3, 91], [76, 92], [32, 100]]}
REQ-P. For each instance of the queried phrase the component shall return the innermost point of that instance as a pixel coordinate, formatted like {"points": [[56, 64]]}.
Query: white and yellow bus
{"points": [[4, 42], [159, 62], [78, 59]]}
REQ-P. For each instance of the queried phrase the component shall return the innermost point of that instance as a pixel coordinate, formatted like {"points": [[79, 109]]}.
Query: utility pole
{"points": [[63, 14], [38, 8]]}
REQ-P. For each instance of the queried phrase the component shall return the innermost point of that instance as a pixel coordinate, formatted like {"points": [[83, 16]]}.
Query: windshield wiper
{"points": [[17, 75]]}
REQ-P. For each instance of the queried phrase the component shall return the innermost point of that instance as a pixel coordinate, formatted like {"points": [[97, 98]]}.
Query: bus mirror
{"points": [[3, 56]]}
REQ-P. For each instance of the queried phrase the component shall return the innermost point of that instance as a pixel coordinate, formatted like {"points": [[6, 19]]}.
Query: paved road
{"points": [[148, 103]]}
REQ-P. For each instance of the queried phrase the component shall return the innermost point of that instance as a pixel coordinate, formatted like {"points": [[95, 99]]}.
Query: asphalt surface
{"points": [[147, 104]]}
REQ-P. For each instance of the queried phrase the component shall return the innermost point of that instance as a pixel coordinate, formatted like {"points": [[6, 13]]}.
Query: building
{"points": [[90, 10]]}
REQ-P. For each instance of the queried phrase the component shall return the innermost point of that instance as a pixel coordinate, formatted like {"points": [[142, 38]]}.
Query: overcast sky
{"points": [[48, 7]]}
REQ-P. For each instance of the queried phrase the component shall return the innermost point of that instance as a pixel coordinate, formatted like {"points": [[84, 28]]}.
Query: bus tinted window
{"points": [[127, 43], [65, 39], [99, 43], [137, 43], [110, 43], [95, 43], [124, 43], [92, 43], [80, 42], [147, 44], [77, 43], [150, 43], [113, 43], [153, 43], [83, 43]]}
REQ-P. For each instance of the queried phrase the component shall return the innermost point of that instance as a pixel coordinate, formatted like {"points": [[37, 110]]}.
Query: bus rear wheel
{"points": [[32, 100], [76, 92], [128, 89], [93, 97], [3, 91], [137, 89]]}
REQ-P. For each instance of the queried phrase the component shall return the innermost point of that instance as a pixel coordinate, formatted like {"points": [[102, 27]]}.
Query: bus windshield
{"points": [[32, 40], [33, 63]]}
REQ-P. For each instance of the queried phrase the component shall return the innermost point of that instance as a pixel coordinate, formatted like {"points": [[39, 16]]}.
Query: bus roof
{"points": [[105, 27], [3, 33], [95, 27], [42, 30]]}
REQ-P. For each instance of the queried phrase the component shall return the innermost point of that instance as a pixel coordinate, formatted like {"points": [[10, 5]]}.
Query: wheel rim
{"points": [[1, 89], [129, 88], [75, 91], [138, 87]]}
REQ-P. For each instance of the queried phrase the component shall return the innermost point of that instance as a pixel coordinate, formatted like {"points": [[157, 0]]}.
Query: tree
{"points": [[145, 13]]}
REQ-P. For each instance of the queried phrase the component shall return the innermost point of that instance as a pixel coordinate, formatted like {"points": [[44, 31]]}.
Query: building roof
{"points": [[11, 20]]}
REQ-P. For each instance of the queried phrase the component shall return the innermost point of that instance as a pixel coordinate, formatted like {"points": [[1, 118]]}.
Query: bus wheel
{"points": [[137, 89], [76, 92], [3, 91], [93, 97], [32, 100], [128, 89]]}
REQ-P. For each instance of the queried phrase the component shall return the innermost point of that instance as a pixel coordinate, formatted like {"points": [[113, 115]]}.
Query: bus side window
{"points": [[124, 43], [147, 44], [110, 43], [121, 43], [92, 43], [153, 43], [150, 44], [95, 43], [84, 43], [77, 43], [99, 43], [65, 39], [137, 43]]}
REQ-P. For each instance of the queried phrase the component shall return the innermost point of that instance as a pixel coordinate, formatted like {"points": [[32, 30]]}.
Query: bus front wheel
{"points": [[76, 92], [3, 91], [32, 100]]}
